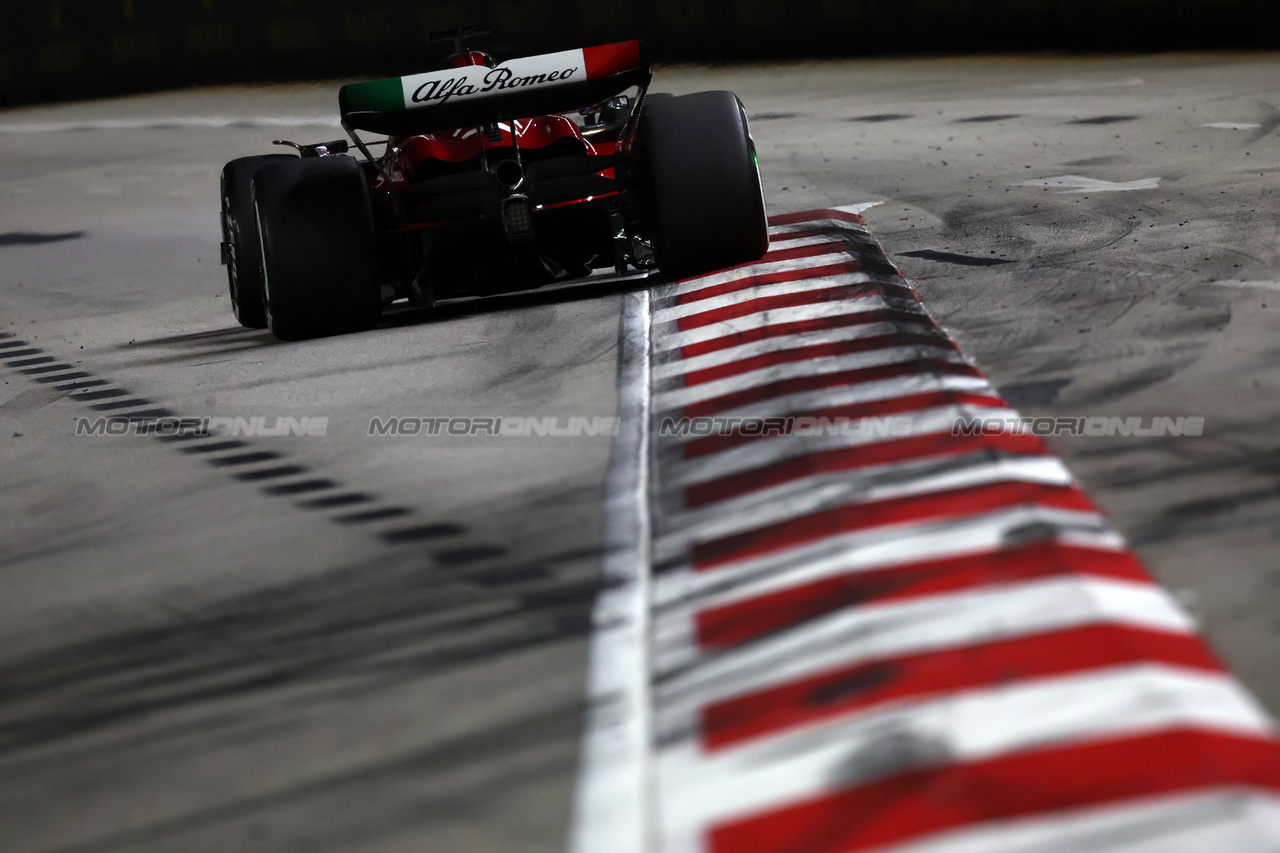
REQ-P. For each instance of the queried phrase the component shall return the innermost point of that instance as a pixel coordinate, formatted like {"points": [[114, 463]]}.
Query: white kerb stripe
{"points": [[766, 451], [675, 517], [890, 354], [862, 392], [1044, 470], [837, 255], [730, 355], [780, 243], [673, 339], [698, 791], [811, 224], [889, 545], [760, 291], [892, 629]]}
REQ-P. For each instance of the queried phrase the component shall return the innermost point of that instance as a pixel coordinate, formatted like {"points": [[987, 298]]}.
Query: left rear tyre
{"points": [[316, 247], [244, 277]]}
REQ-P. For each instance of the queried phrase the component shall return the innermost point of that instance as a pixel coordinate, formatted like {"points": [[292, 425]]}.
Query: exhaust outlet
{"points": [[508, 173]]}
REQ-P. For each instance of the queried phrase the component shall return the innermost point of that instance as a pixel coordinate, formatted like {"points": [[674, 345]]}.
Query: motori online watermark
{"points": [[501, 426], [240, 427], [901, 426], [1093, 426], [886, 427]]}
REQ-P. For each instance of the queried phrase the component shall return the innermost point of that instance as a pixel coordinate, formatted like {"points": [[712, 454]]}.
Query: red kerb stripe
{"points": [[992, 665], [790, 300], [822, 350], [1007, 787], [778, 330], [779, 277], [853, 412], [799, 384], [741, 621], [860, 456], [817, 231], [846, 519], [814, 216]]}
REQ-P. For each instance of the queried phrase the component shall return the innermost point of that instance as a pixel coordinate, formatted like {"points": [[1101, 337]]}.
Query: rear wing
{"points": [[474, 95]]}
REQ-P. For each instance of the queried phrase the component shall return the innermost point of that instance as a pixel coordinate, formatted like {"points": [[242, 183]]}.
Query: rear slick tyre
{"points": [[705, 176], [317, 248], [244, 277]]}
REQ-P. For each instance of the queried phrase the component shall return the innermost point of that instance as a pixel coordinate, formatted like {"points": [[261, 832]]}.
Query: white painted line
{"points": [[1077, 184], [699, 791], [1085, 85], [1242, 821], [1233, 125], [1258, 285], [613, 803], [166, 122], [858, 209], [820, 222]]}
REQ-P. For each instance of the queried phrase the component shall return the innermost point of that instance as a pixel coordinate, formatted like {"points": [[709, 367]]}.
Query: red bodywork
{"points": [[465, 143]]}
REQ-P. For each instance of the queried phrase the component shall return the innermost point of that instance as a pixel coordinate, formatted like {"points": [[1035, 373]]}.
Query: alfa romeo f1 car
{"points": [[493, 178]]}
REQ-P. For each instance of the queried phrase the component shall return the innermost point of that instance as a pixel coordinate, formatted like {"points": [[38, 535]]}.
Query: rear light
{"points": [[517, 217]]}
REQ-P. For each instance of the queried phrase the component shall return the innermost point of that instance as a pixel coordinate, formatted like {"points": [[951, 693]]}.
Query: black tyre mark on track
{"points": [[1033, 393], [1101, 120], [881, 117], [469, 554], [27, 238], [990, 118], [35, 364], [421, 533], [952, 258]]}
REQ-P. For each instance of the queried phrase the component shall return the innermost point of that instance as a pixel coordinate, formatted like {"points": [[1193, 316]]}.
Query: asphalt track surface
{"points": [[188, 661]]}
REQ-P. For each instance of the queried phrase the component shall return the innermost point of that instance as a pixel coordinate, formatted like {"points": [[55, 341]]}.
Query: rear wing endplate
{"points": [[474, 95]]}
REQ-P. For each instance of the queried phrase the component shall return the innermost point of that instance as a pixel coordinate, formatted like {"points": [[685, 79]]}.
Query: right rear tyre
{"points": [[702, 166], [317, 247]]}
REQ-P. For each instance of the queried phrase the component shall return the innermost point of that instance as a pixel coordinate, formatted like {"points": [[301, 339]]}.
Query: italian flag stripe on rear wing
{"points": [[471, 83]]}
